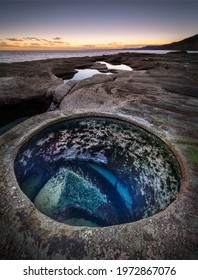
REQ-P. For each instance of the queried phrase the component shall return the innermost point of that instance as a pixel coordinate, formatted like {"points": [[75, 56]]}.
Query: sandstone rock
{"points": [[94, 80], [162, 98], [88, 98], [61, 91], [13, 90], [20, 97], [99, 67]]}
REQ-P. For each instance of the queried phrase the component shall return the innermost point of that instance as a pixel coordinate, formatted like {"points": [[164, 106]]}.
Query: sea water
{"points": [[20, 56], [97, 171]]}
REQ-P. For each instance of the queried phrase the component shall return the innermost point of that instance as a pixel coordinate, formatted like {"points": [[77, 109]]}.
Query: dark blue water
{"points": [[97, 172]]}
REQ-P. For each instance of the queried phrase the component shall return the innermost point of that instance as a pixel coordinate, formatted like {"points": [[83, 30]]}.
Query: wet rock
{"points": [[183, 52], [100, 67], [63, 70], [137, 173], [67, 192]]}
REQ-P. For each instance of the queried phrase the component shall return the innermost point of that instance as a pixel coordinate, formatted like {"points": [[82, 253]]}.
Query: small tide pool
{"points": [[97, 171], [83, 74], [121, 67], [88, 73]]}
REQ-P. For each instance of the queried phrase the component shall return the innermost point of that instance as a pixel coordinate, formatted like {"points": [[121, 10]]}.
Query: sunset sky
{"points": [[84, 24]]}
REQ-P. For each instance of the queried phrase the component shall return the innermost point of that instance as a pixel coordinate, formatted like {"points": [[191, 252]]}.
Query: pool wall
{"points": [[72, 166], [28, 234]]}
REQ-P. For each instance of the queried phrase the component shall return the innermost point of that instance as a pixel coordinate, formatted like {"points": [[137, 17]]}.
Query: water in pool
{"points": [[83, 74], [87, 73], [122, 67], [97, 172]]}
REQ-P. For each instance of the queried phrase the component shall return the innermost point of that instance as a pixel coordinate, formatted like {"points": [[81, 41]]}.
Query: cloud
{"points": [[89, 46], [60, 43], [35, 45], [33, 42], [32, 38], [114, 43], [133, 45], [7, 45], [45, 40], [4, 44], [57, 38], [15, 39]]}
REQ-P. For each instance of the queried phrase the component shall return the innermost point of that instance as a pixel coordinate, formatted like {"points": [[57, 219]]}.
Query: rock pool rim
{"points": [[69, 116], [154, 191]]}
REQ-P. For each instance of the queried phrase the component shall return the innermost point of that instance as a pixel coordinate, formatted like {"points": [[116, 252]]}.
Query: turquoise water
{"points": [[97, 172], [122, 190]]}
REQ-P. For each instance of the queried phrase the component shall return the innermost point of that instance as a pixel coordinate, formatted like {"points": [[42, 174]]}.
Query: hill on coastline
{"points": [[188, 44]]}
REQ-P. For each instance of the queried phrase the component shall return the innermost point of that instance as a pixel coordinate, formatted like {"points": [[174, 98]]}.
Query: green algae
{"points": [[110, 172], [193, 154], [187, 140], [174, 122], [68, 189]]}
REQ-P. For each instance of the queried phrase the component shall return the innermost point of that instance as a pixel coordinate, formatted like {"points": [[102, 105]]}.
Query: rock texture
{"points": [[133, 169], [160, 94]]}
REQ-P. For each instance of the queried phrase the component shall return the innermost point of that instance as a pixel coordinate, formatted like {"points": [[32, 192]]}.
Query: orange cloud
{"points": [[56, 43], [15, 39], [35, 45], [3, 44], [89, 46], [6, 45], [32, 38], [60, 42], [45, 40], [57, 38], [114, 43]]}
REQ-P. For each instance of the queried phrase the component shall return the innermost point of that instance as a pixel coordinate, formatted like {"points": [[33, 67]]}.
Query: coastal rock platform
{"points": [[159, 95]]}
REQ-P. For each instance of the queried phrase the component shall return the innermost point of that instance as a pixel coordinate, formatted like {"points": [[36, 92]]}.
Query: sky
{"points": [[84, 24]]}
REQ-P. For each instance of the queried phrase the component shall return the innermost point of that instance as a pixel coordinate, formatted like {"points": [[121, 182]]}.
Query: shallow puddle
{"points": [[83, 74], [88, 73], [122, 67]]}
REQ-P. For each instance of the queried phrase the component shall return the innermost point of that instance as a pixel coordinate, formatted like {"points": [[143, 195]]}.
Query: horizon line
{"points": [[117, 46]]}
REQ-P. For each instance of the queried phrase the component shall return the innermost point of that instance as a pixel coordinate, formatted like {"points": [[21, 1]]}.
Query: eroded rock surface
{"points": [[132, 170], [160, 94]]}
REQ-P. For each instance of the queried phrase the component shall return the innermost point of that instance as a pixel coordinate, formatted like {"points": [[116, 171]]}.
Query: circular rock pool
{"points": [[97, 171]]}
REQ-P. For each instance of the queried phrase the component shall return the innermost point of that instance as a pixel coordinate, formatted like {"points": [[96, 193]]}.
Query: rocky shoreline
{"points": [[28, 88], [160, 94]]}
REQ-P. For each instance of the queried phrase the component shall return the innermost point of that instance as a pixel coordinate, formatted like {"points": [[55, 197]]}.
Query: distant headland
{"points": [[188, 44]]}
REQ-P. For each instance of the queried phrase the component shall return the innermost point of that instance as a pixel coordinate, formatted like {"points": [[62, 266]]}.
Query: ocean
{"points": [[20, 56]]}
